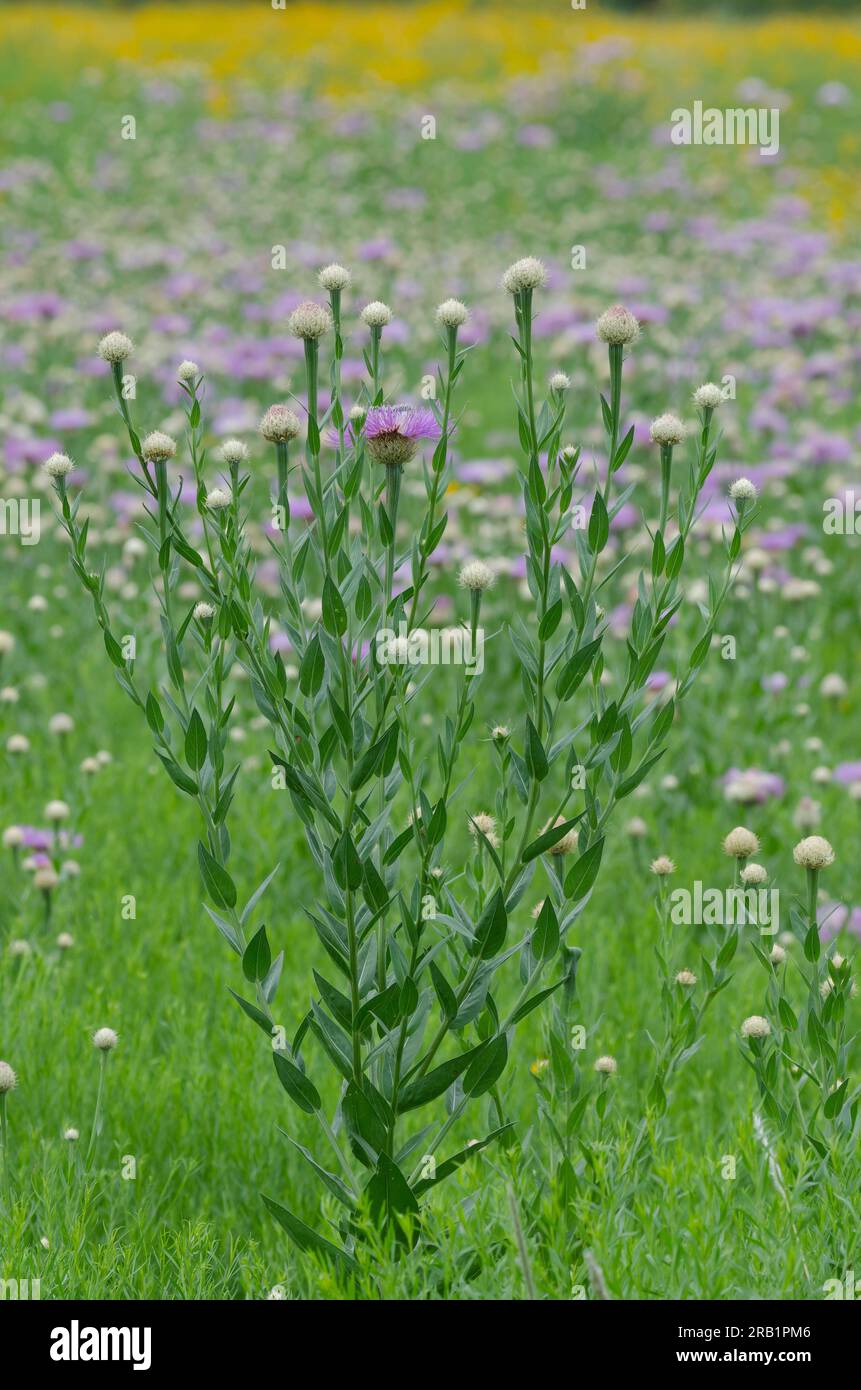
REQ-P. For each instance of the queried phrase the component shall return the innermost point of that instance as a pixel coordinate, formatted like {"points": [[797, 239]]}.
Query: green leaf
{"points": [[434, 1082], [299, 1088], [334, 612], [491, 927], [549, 838], [177, 776], [544, 941], [584, 872], [217, 881], [599, 525], [486, 1067], [257, 957], [389, 1194], [256, 1015], [306, 1238], [195, 742], [575, 669], [339, 1189], [550, 621], [450, 1165], [787, 1016], [154, 716], [536, 758], [346, 863], [312, 667], [529, 1004]]}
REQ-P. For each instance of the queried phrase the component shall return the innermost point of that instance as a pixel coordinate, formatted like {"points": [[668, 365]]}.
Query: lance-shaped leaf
{"points": [[257, 957], [491, 927], [450, 1165], [389, 1194], [585, 871], [306, 1238], [346, 863], [486, 1067], [544, 941], [195, 742], [219, 885], [549, 838], [536, 758], [434, 1083], [334, 612], [299, 1088]]}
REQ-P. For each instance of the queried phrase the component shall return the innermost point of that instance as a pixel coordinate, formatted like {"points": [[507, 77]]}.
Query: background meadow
{"points": [[305, 130]]}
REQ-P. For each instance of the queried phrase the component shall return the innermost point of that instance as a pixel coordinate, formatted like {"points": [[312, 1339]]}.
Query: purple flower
{"points": [[393, 432]]}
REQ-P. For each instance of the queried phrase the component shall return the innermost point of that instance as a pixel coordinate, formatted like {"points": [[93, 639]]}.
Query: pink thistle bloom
{"points": [[393, 432]]}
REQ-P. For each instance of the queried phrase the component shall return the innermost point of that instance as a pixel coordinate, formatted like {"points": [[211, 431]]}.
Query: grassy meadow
{"points": [[426, 150]]}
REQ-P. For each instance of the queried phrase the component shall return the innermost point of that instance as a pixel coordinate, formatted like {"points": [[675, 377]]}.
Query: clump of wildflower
{"points": [[452, 313], [662, 866], [376, 314], [309, 321], [476, 575], [393, 432], [755, 1027], [618, 326], [526, 274], [667, 430], [115, 347], [158, 447], [740, 843], [280, 424], [607, 1065], [813, 853], [334, 277], [58, 466], [708, 396]]}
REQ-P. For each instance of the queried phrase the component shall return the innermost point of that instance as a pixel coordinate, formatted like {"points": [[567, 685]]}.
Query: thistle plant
{"points": [[433, 957]]}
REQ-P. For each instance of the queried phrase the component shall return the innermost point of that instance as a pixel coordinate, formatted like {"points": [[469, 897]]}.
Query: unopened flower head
{"points": [[778, 955], [203, 611], [376, 314], [500, 732], [279, 424], [218, 499], [58, 466], [559, 381], [309, 320], [56, 810], [568, 843], [116, 347], [755, 1027], [832, 686], [742, 490], [618, 326], [608, 1065], [61, 724], [71, 1135], [708, 396], [234, 451], [482, 823], [334, 277], [452, 313], [752, 875], [476, 575], [687, 978], [357, 414], [65, 941], [662, 866], [46, 879], [8, 1079], [813, 853], [740, 843], [636, 827], [667, 429], [526, 274], [187, 372], [13, 837], [158, 447], [394, 432], [105, 1039]]}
